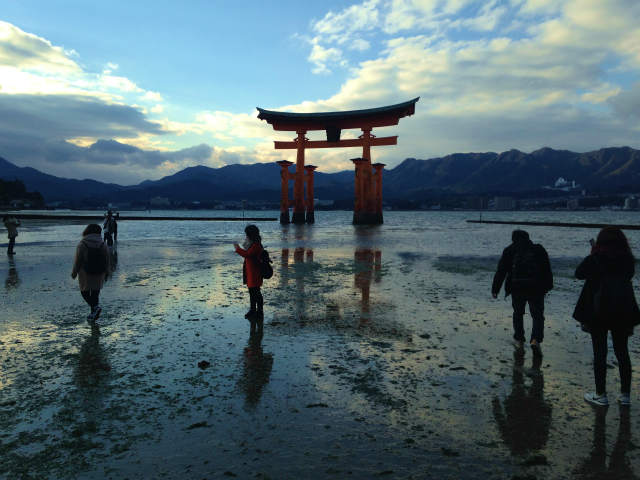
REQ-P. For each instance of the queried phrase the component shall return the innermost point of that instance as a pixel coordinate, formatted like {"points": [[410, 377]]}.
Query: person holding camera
{"points": [[607, 304]]}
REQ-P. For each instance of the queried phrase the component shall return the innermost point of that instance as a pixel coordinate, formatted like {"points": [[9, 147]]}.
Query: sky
{"points": [[125, 91]]}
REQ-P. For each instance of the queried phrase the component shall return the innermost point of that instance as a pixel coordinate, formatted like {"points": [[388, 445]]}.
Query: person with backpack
{"points": [[91, 265], [11, 224], [525, 269], [607, 303], [252, 251]]}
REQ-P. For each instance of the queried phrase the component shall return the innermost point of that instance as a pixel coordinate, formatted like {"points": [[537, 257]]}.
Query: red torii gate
{"points": [[368, 185]]}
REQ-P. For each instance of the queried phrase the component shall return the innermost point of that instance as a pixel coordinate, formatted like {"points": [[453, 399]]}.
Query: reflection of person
{"points": [[364, 274], [91, 265], [526, 271], [251, 275], [115, 227], [92, 359], [12, 280], [11, 224], [109, 228], [607, 303], [525, 418], [257, 367], [595, 465]]}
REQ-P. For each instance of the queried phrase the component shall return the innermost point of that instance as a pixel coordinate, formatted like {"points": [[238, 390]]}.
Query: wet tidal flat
{"points": [[382, 355]]}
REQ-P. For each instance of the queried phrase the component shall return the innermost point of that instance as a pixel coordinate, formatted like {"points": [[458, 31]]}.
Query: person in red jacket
{"points": [[251, 276]]}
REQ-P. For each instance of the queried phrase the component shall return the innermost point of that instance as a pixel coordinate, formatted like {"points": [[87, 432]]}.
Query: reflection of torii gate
{"points": [[368, 185]]}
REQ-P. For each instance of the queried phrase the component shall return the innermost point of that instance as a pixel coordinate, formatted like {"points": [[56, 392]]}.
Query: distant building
{"points": [[477, 203], [563, 185], [504, 203]]}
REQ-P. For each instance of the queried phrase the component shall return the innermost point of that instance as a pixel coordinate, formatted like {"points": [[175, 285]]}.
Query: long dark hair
{"points": [[92, 228], [253, 234], [612, 241]]}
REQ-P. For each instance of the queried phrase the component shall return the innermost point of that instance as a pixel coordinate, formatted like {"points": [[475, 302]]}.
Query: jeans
{"points": [[12, 242], [536, 309], [91, 297], [600, 348]]}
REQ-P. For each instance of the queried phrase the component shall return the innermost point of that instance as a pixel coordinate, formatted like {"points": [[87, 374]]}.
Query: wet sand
{"points": [[377, 360]]}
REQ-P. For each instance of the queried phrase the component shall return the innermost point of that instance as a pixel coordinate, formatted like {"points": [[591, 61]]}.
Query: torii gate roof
{"points": [[371, 117]]}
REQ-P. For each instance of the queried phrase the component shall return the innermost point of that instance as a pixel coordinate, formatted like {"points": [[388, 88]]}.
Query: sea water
{"points": [[383, 353]]}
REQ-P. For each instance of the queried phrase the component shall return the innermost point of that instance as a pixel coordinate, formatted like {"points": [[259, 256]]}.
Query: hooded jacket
{"points": [[88, 281]]}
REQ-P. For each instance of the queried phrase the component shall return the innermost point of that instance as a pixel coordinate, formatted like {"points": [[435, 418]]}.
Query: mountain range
{"points": [[608, 170]]}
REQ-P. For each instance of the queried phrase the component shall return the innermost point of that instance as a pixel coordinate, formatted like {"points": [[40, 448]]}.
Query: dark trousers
{"points": [[600, 350], [91, 297], [536, 309], [12, 242], [255, 297]]}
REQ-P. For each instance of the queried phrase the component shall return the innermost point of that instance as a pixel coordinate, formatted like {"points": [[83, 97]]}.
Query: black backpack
{"points": [[96, 261], [525, 269], [266, 270]]}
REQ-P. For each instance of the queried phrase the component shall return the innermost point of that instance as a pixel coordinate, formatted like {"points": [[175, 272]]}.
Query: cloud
{"points": [[28, 51], [339, 26], [344, 29], [33, 65], [322, 58], [61, 117], [627, 104]]}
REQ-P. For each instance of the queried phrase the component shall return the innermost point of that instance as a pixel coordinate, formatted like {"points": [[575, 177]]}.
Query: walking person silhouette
{"points": [[525, 269]]}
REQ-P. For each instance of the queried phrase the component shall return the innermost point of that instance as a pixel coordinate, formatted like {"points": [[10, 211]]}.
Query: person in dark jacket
{"points": [[526, 272], [251, 275], [607, 303], [11, 224]]}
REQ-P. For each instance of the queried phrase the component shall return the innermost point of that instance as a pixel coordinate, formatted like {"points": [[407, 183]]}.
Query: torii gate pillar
{"points": [[311, 217], [284, 193]]}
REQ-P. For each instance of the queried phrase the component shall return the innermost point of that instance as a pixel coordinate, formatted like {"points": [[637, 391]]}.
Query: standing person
{"points": [[108, 228], [607, 303], [91, 265], [251, 275], [12, 224], [527, 270]]}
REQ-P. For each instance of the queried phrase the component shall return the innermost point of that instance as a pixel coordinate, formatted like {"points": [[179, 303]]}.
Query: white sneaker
{"points": [[624, 400], [595, 399]]}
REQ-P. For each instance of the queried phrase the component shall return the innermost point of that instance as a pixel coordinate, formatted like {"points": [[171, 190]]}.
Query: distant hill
{"points": [[606, 170], [55, 188]]}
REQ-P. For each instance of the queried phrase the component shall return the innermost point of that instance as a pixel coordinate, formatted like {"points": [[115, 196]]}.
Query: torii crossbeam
{"points": [[368, 185]]}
